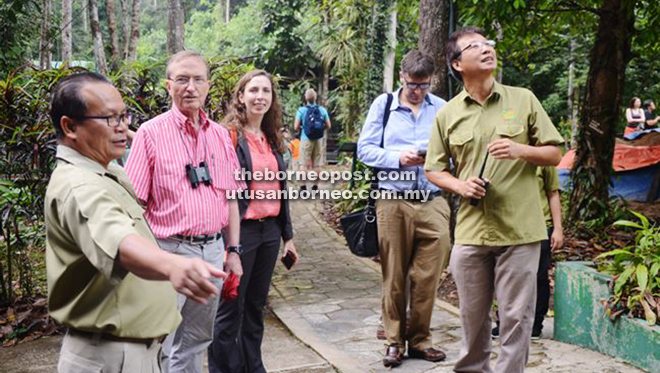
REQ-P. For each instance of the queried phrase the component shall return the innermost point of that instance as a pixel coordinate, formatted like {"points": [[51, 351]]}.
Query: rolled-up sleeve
{"points": [[541, 129], [98, 224], [369, 149]]}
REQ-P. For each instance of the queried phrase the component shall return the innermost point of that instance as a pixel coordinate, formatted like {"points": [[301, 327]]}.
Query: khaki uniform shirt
{"points": [[548, 182], [510, 214], [88, 211]]}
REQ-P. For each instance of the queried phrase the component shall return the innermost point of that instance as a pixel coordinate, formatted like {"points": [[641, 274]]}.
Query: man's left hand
{"points": [[506, 149], [557, 240], [233, 265]]}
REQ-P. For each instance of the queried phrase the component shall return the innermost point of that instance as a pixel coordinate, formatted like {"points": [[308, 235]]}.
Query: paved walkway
{"points": [[331, 301]]}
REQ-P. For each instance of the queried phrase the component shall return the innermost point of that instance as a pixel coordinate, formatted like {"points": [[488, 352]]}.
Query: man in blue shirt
{"points": [[312, 151], [413, 234]]}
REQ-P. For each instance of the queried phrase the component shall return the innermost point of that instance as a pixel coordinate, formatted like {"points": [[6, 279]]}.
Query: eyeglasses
{"points": [[113, 121], [185, 80], [477, 45], [414, 86]]}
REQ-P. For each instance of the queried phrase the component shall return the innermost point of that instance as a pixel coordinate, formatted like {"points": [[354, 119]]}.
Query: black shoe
{"points": [[536, 332], [495, 333]]}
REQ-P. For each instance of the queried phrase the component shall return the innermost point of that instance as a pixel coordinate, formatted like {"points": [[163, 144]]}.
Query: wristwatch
{"points": [[238, 249]]}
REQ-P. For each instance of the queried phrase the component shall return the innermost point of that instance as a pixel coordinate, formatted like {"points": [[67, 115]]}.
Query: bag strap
{"points": [[386, 117]]}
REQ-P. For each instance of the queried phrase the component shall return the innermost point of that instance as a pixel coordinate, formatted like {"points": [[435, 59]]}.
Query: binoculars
{"points": [[198, 174]]}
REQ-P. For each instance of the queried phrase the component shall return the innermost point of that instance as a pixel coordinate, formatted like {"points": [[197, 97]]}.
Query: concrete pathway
{"points": [[331, 301]]}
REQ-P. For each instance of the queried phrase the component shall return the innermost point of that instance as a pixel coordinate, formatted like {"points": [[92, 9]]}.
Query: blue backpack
{"points": [[313, 123]]}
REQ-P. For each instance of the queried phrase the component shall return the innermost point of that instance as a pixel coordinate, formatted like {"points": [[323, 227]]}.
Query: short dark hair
{"points": [[453, 52], [647, 103], [67, 100], [417, 64]]}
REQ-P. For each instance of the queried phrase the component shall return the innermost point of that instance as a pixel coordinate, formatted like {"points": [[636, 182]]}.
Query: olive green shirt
{"points": [[548, 182], [89, 209], [510, 213]]}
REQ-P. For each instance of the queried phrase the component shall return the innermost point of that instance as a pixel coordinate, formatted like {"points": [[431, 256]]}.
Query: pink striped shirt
{"points": [[156, 165]]}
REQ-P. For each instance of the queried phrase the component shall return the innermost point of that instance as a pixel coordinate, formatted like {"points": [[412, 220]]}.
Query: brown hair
{"points": [[310, 95], [271, 123], [632, 102], [453, 52], [417, 64]]}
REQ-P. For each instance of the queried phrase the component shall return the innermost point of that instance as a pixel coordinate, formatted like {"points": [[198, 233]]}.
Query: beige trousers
{"points": [[414, 244], [81, 354], [508, 272]]}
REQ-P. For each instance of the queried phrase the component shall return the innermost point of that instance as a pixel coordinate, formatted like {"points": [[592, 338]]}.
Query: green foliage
{"points": [[636, 269], [17, 30]]}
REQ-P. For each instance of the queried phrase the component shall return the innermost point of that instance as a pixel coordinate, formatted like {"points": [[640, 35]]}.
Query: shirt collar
{"points": [[183, 122], [396, 103], [495, 93], [72, 156]]}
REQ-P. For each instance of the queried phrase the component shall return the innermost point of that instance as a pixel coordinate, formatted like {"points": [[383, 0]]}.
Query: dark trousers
{"points": [[239, 325], [543, 282]]}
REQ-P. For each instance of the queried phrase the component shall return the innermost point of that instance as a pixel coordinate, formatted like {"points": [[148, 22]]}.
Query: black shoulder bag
{"points": [[360, 227]]}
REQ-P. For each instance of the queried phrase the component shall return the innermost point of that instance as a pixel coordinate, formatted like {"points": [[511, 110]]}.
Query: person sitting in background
{"points": [[634, 116], [649, 120]]}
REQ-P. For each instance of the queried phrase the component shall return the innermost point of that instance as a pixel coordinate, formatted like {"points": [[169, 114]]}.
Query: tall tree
{"points": [[44, 44], [99, 52], [376, 45], [125, 26], [112, 30], [610, 55], [227, 10], [174, 26], [388, 72], [135, 31], [67, 45], [433, 31]]}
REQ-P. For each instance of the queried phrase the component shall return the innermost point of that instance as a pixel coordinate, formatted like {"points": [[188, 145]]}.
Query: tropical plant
{"points": [[636, 284]]}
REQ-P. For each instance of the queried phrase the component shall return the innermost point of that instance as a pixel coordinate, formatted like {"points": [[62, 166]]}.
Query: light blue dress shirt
{"points": [[404, 131]]}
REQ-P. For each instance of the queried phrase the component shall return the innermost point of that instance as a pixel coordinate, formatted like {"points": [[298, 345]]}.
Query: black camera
{"points": [[198, 174]]}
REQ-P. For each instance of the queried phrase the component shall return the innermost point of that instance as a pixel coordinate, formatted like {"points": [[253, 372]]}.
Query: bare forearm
{"points": [[444, 180], [144, 259], [547, 155], [554, 201], [234, 228]]}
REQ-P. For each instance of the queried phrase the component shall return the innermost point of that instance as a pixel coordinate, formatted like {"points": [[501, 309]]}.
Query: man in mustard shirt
{"points": [[100, 252], [497, 240]]}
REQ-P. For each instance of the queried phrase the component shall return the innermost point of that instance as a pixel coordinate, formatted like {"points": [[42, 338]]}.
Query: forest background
{"points": [[584, 59]]}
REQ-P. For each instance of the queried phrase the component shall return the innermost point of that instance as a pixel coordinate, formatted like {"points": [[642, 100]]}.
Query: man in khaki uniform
{"points": [[100, 251], [497, 241]]}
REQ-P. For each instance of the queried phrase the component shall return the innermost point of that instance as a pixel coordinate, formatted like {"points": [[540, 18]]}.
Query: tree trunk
{"points": [[433, 32], [135, 31], [324, 81], [572, 113], [174, 27], [44, 44], [99, 52], [499, 36], [388, 72], [610, 55], [112, 30], [85, 15], [125, 27], [66, 31], [227, 10]]}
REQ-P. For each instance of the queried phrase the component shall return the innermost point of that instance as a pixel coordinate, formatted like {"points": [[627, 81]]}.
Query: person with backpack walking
{"points": [[314, 120]]}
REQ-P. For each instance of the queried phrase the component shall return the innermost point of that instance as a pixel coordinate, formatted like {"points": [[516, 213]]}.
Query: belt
{"points": [[402, 195], [261, 220], [113, 338], [205, 238]]}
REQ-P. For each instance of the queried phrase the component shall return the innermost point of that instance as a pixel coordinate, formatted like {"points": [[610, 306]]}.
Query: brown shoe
{"points": [[393, 357], [429, 354]]}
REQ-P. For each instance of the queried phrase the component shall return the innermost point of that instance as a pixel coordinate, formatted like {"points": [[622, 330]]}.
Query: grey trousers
{"points": [[509, 272], [183, 349], [81, 354]]}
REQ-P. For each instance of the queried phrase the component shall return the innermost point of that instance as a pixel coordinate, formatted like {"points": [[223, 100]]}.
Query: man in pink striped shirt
{"points": [[181, 165]]}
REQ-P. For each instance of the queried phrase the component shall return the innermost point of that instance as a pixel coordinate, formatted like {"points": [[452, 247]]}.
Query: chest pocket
{"points": [[513, 131], [461, 138]]}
